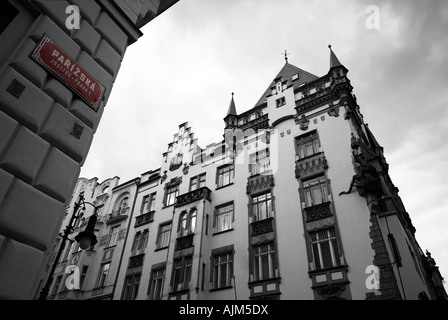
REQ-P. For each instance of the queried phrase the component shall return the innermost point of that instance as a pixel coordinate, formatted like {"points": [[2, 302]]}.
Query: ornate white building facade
{"points": [[294, 203]]}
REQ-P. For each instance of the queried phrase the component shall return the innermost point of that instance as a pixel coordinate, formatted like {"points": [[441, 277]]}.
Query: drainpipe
{"points": [[200, 244]]}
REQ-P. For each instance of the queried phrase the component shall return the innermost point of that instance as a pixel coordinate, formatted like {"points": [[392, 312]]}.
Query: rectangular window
{"points": [[163, 237], [171, 194], [144, 205], [224, 217], [102, 277], [156, 283], [225, 175], [222, 270], [140, 242], [83, 276], [264, 261], [395, 251], [187, 223], [67, 251], [152, 201], [131, 285], [113, 236], [197, 182], [315, 191], [280, 102], [307, 145], [325, 249], [262, 207], [206, 224], [182, 273], [259, 162], [57, 285]]}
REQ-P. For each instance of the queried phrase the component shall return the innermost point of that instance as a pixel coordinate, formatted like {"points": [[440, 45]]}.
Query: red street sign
{"points": [[49, 55]]}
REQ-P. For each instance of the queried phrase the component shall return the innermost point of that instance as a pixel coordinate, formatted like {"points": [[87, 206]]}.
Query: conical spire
{"points": [[334, 61], [232, 109]]}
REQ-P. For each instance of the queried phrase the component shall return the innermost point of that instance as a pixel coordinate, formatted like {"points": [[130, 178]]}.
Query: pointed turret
{"points": [[334, 61], [231, 119], [232, 109]]}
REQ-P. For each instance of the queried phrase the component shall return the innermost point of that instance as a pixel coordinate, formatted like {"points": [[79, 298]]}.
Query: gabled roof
{"points": [[286, 73]]}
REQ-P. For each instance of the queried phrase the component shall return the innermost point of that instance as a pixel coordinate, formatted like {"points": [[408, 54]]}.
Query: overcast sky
{"points": [[195, 54]]}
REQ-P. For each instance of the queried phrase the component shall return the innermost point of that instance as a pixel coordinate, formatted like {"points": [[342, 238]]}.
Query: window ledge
{"points": [[341, 267], [227, 185], [265, 280], [309, 157], [163, 248], [221, 232], [105, 248], [221, 288]]}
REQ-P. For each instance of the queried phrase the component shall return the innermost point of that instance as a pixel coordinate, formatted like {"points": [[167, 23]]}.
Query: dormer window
{"points": [[295, 77]]}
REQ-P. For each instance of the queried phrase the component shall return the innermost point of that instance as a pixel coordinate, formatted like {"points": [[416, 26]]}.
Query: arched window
{"points": [[187, 222]]}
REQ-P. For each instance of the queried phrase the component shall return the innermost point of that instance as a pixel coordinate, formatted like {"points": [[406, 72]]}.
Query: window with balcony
{"points": [[102, 276], [181, 273], [326, 253], [148, 203], [187, 222], [156, 283], [259, 162], [224, 216], [225, 175], [315, 191], [197, 182], [265, 263], [171, 194], [307, 145], [262, 207], [163, 236], [113, 236], [131, 285], [222, 270]]}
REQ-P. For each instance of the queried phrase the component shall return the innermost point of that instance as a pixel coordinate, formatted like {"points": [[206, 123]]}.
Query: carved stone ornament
{"points": [[348, 112], [333, 111], [304, 123], [186, 168], [163, 178]]}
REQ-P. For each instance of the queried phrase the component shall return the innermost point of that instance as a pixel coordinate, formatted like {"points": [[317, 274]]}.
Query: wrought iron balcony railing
{"points": [[318, 211], [262, 226]]}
